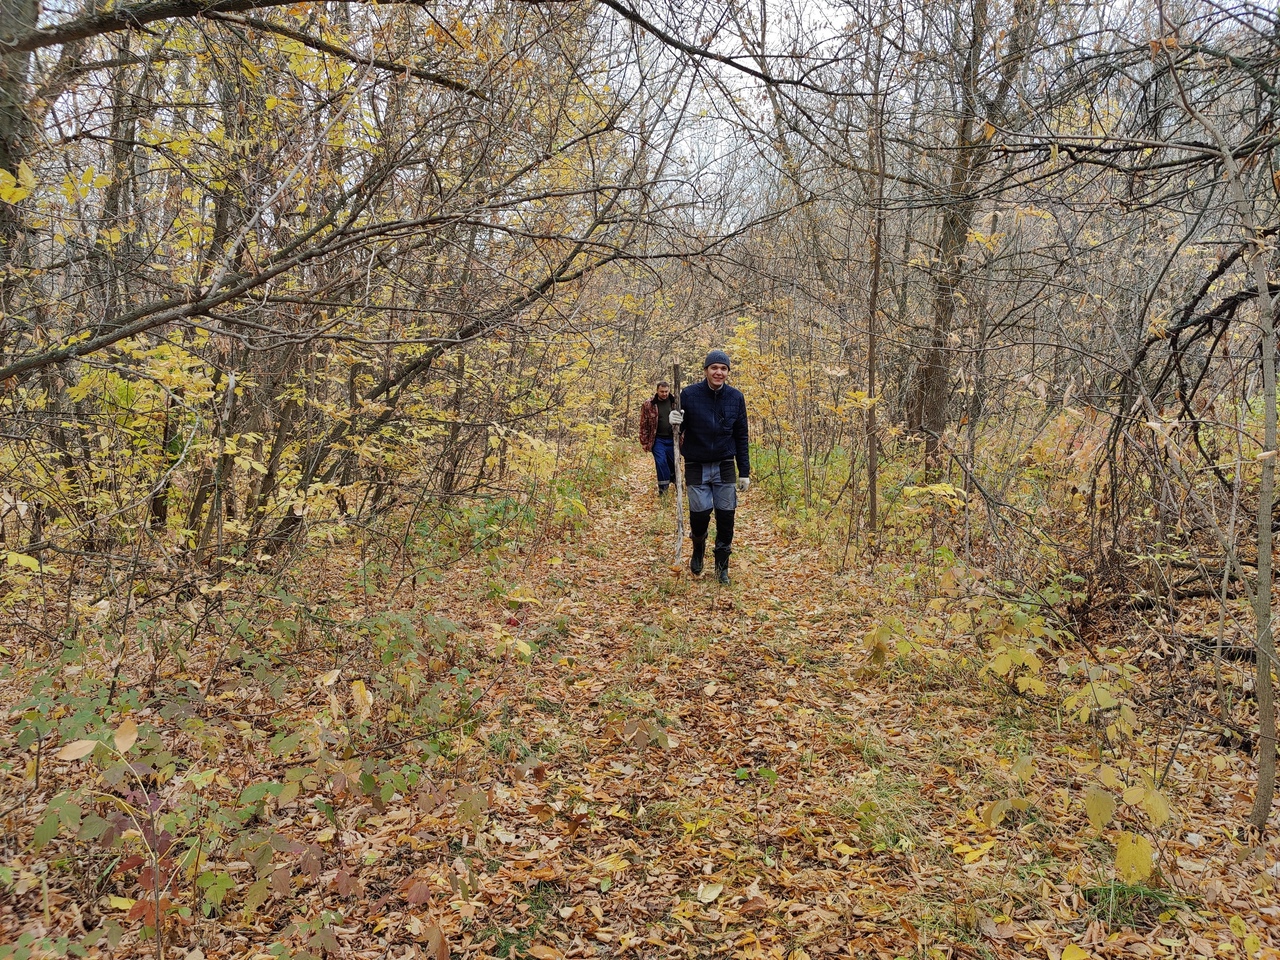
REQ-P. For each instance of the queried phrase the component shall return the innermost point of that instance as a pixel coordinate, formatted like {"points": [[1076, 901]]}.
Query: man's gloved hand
{"points": [[743, 483], [676, 418]]}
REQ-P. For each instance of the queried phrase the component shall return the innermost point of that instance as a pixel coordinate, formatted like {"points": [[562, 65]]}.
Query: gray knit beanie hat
{"points": [[717, 356]]}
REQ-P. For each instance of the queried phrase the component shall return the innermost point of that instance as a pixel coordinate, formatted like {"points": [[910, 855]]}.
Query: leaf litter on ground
{"points": [[663, 767]]}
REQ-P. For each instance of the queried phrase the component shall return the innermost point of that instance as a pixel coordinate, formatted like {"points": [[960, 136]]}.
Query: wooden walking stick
{"points": [[679, 477]]}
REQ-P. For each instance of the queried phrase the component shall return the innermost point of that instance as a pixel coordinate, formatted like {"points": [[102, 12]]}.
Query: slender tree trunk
{"points": [[113, 260], [1266, 502], [15, 16], [169, 438], [1265, 642], [876, 135], [973, 411], [934, 375], [453, 446]]}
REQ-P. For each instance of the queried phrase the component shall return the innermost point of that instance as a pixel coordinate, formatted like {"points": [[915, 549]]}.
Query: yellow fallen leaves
{"points": [[972, 854], [363, 699], [614, 863]]}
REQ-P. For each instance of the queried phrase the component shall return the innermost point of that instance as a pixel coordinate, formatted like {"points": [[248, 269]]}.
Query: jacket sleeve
{"points": [[741, 443], [648, 425]]}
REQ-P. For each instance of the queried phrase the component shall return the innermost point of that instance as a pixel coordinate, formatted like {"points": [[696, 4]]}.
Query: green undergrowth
{"points": [[1046, 737], [177, 769]]}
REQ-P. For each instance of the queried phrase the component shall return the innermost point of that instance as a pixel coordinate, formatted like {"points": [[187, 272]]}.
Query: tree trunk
{"points": [[876, 136], [1266, 501], [933, 382], [973, 143], [17, 16], [1265, 642]]}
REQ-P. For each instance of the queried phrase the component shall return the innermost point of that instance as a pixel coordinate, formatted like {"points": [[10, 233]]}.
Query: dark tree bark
{"points": [[15, 16], [978, 119]]}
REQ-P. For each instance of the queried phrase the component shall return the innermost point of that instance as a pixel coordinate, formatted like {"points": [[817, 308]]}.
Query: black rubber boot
{"points": [[699, 552], [698, 524], [722, 566], [724, 543]]}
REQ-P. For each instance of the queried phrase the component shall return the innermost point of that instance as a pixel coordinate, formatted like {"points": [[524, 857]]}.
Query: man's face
{"points": [[663, 392], [717, 374]]}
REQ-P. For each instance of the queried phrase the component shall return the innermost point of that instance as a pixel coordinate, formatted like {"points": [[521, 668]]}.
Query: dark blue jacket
{"points": [[715, 426]]}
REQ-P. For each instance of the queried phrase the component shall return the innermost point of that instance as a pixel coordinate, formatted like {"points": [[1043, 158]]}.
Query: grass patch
{"points": [[653, 645], [622, 695], [507, 744], [1130, 904], [554, 708], [885, 808], [948, 921], [870, 746], [682, 817]]}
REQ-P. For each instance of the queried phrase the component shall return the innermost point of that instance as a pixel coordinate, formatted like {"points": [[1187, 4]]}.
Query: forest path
{"points": [[572, 748], [694, 770]]}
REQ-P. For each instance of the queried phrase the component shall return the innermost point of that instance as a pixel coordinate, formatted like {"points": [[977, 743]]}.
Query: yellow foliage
{"points": [[1135, 858], [1100, 805], [14, 189]]}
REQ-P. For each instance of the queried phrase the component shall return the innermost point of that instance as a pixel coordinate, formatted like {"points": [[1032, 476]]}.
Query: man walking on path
{"points": [[655, 434], [712, 421]]}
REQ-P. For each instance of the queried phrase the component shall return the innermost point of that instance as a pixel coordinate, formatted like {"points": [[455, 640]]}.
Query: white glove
{"points": [[676, 418], [743, 483]]}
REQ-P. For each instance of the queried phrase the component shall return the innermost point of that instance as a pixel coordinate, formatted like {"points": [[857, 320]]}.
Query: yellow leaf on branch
{"points": [[1135, 858]]}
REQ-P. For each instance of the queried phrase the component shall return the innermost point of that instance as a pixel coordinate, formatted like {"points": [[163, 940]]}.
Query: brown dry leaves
{"points": [[682, 770]]}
